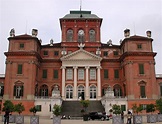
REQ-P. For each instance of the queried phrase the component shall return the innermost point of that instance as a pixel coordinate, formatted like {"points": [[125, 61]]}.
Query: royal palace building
{"points": [[80, 67]]}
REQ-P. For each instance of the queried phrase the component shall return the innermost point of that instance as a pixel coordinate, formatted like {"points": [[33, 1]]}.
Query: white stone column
{"points": [[63, 82], [98, 83], [75, 83], [87, 83]]}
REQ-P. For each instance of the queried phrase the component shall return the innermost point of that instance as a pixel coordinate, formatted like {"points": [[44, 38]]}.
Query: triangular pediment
{"points": [[81, 54]]}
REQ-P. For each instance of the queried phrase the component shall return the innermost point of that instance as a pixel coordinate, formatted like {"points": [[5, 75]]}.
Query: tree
{"points": [[8, 105], [57, 110], [159, 105], [116, 109], [19, 108], [136, 109], [85, 104], [33, 110], [150, 108]]}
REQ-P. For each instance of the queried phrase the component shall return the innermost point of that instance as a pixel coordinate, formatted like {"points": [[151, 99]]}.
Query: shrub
{"points": [[57, 110], [33, 110], [19, 108]]}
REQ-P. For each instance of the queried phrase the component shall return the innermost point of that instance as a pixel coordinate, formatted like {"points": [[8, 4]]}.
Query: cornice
{"points": [[24, 53], [126, 54]]}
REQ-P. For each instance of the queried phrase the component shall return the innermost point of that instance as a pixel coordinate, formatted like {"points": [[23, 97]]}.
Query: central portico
{"points": [[81, 75]]}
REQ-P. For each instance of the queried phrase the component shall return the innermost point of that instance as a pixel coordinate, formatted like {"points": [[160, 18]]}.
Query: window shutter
{"points": [[55, 74], [160, 90], [106, 73], [46, 93], [40, 92], [14, 93], [141, 69], [143, 91], [22, 91], [116, 73], [19, 71], [44, 74], [2, 91]]}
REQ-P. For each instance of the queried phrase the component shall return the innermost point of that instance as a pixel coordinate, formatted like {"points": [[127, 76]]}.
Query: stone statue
{"points": [[12, 32], [51, 42], [55, 92], [34, 32]]}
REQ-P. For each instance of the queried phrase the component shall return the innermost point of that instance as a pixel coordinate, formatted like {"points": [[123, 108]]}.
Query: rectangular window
{"points": [[39, 108], [69, 74], [19, 69], [45, 53], [141, 68], [116, 53], [81, 74], [21, 45], [106, 74], [142, 92], [105, 53], [139, 46], [44, 74], [56, 53], [18, 91], [116, 73], [92, 74], [55, 74], [123, 107], [143, 106]]}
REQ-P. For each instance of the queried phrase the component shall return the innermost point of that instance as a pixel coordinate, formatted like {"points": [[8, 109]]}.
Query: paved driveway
{"points": [[46, 120]]}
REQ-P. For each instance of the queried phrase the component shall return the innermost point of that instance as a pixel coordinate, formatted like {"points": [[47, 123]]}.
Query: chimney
{"points": [[148, 33], [126, 33], [34, 32]]}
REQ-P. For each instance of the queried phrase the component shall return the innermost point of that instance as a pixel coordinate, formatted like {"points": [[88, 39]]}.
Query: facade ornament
{"points": [[98, 52], [64, 52], [12, 32], [81, 45], [51, 42], [126, 33], [148, 33], [34, 32], [109, 43]]}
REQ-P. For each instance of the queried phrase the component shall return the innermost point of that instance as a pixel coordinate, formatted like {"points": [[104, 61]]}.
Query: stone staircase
{"points": [[73, 108]]}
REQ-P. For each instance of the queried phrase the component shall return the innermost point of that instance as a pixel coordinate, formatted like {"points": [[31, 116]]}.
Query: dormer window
{"points": [[92, 36], [81, 36]]}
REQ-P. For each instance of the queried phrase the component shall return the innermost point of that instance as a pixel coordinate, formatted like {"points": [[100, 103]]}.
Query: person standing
{"points": [[122, 116], [129, 117], [6, 116]]}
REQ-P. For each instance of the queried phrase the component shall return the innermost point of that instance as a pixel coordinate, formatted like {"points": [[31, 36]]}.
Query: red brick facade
{"points": [[128, 68]]}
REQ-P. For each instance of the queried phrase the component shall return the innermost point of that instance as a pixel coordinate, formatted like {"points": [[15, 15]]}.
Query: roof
{"points": [[80, 14], [2, 75], [23, 36]]}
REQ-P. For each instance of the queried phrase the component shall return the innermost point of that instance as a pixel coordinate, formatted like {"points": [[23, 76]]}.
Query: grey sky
{"points": [[137, 15]]}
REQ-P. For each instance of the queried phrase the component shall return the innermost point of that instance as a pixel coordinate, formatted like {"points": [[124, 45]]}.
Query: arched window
{"points": [[69, 35], [92, 36], [44, 90], [117, 90], [69, 92], [92, 92], [81, 35], [81, 92]]}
